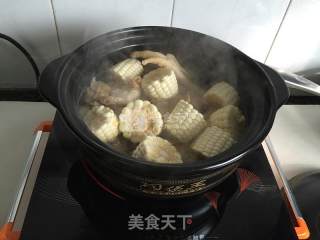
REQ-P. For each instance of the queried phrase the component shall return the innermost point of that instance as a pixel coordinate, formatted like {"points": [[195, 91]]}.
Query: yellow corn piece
{"points": [[229, 118], [156, 149], [160, 84], [102, 122], [185, 122], [140, 119], [221, 94], [128, 69], [212, 141]]}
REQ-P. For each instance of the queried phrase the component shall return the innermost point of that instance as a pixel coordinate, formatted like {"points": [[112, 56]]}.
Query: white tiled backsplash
{"points": [[297, 47], [249, 25], [282, 31], [79, 21], [32, 24]]}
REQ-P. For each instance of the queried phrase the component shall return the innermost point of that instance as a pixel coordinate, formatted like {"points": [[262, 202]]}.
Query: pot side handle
{"points": [[299, 82], [280, 87], [49, 81]]}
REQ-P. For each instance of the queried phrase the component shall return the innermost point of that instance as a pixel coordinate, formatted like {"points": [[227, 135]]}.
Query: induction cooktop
{"points": [[253, 203]]}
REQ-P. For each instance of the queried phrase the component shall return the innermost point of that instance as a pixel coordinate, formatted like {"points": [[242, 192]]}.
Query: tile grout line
{"points": [[56, 27], [172, 12], [278, 30]]}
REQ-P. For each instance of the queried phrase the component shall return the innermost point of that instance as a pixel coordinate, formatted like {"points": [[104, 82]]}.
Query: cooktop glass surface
{"points": [[249, 204]]}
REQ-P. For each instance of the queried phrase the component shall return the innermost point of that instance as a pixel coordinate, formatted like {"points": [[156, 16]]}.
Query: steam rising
{"points": [[207, 62]]}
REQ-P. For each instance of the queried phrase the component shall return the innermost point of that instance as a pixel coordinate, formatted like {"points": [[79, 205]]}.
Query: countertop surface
{"points": [[296, 138]]}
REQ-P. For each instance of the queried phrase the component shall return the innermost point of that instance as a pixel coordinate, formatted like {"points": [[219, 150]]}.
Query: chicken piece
{"points": [[221, 94], [160, 84], [166, 63], [180, 71], [212, 141], [140, 119], [157, 58], [146, 54], [113, 93], [123, 94], [102, 122], [157, 149], [228, 118], [97, 92], [184, 122]]}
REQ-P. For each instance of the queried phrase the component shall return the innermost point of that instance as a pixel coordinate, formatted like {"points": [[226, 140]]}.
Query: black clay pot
{"points": [[261, 89]]}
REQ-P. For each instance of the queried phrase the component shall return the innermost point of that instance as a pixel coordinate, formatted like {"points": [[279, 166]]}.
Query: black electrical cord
{"points": [[21, 94], [25, 53]]}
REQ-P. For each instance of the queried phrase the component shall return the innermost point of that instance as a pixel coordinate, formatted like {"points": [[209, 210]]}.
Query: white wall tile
{"points": [[297, 46], [249, 25], [32, 24], [79, 21]]}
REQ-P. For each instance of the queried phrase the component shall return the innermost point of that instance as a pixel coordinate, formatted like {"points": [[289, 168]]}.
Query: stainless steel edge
{"points": [[29, 186], [28, 179], [281, 180], [25, 176]]}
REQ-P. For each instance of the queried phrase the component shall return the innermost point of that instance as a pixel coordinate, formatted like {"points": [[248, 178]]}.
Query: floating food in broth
{"points": [[184, 122], [114, 93], [212, 141], [229, 118], [222, 94], [102, 122], [159, 113], [128, 69], [160, 84], [140, 119], [157, 149]]}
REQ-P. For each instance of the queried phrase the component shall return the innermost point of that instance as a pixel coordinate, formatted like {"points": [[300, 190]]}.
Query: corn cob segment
{"points": [[167, 61], [128, 69], [140, 119], [156, 149], [212, 141], [102, 122], [229, 118], [185, 122], [160, 84], [221, 94]]}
